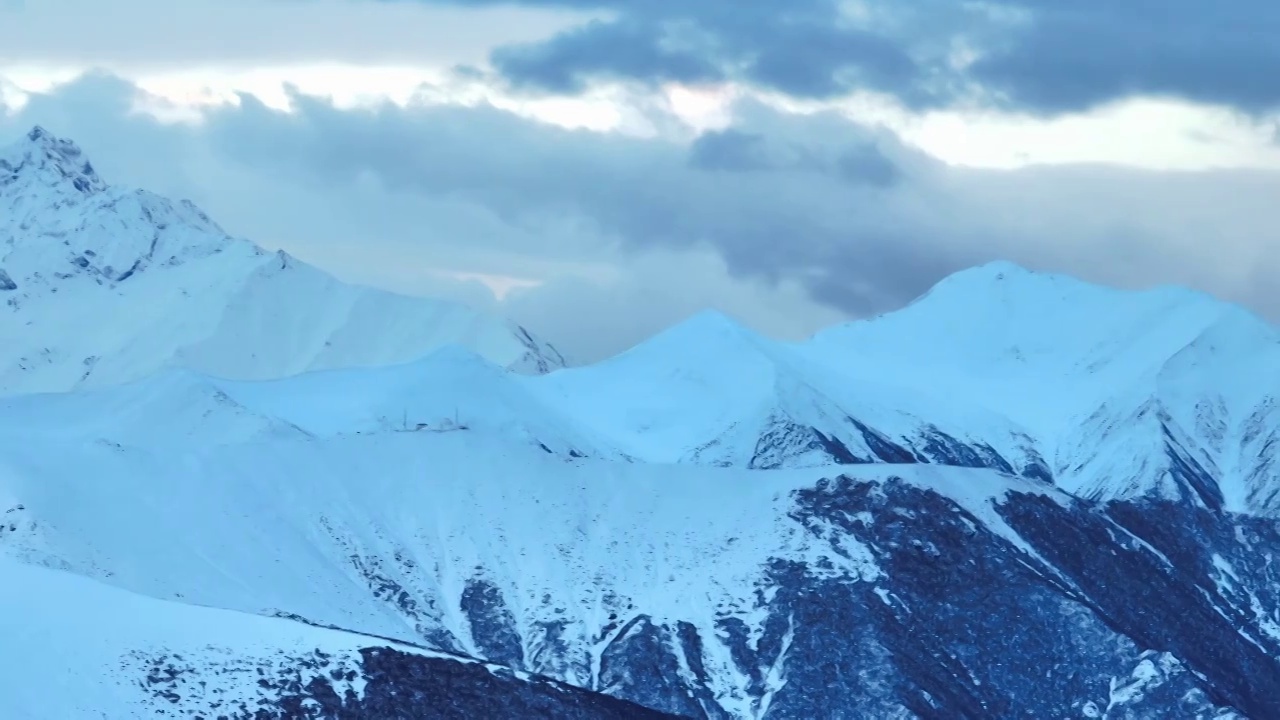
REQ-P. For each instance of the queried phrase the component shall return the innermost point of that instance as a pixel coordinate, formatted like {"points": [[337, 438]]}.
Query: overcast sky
{"points": [[598, 169]]}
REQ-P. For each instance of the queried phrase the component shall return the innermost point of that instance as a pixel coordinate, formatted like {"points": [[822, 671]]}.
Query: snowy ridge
{"points": [[1161, 393], [709, 391], [450, 390], [103, 286]]}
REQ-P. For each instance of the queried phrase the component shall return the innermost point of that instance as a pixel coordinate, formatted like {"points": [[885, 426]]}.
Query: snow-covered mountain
{"points": [[885, 591], [102, 285], [1021, 496], [1161, 393]]}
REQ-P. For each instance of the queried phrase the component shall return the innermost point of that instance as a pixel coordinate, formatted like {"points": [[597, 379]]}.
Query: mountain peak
{"points": [[711, 320], [705, 334], [53, 159], [1000, 270], [39, 134], [1004, 274]]}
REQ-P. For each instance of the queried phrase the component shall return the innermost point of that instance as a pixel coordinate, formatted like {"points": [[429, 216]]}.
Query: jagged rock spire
{"points": [[41, 154]]}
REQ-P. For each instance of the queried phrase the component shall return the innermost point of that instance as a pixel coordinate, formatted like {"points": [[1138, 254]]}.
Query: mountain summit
{"points": [[1158, 393], [61, 219], [103, 285], [40, 153]]}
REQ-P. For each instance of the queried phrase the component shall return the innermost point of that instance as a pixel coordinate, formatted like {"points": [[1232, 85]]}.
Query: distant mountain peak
{"points": [[63, 221], [707, 328], [1000, 270], [712, 321], [52, 159], [39, 134], [1006, 275], [704, 338]]}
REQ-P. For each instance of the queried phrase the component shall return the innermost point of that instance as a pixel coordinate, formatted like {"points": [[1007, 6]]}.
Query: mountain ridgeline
{"points": [[233, 486]]}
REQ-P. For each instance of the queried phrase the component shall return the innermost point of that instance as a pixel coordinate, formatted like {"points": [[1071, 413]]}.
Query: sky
{"points": [[600, 169]]}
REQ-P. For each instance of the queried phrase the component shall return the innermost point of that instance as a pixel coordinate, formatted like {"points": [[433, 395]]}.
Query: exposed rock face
{"points": [[384, 683], [402, 685]]}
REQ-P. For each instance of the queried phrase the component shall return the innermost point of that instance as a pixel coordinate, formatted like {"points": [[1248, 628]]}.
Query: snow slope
{"points": [[88, 650], [103, 286], [396, 534]]}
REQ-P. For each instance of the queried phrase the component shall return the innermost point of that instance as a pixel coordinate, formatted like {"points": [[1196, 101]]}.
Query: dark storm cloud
{"points": [[807, 48], [859, 162], [617, 49], [867, 164], [1044, 56], [1047, 56], [1072, 55], [730, 150]]}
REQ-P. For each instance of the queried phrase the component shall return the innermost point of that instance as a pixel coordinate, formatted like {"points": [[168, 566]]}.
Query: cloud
{"points": [[810, 213], [732, 150], [807, 48], [1045, 56], [1068, 56], [636, 192]]}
